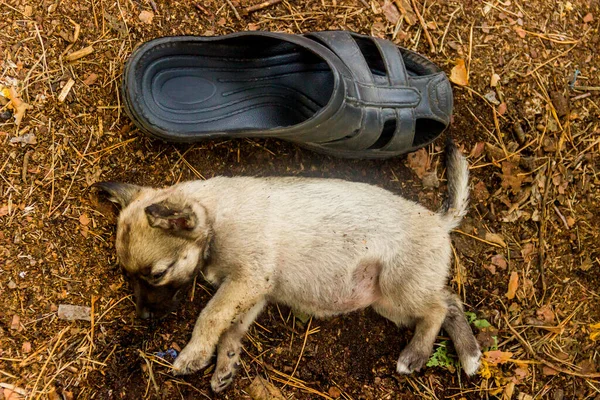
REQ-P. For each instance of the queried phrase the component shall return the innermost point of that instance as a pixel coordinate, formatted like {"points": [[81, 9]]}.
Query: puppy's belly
{"points": [[330, 294]]}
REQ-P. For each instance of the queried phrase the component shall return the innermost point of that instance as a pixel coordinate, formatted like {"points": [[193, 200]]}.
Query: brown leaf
{"points": [[146, 17], [502, 108], [528, 252], [480, 191], [391, 12], [500, 261], [510, 177], [560, 102], [26, 348], [3, 210], [549, 371], [520, 32], [407, 11], [495, 357], [84, 219], [261, 389], [545, 314], [495, 238], [90, 79], [18, 105], [588, 18], [477, 150], [419, 162], [513, 285], [459, 74]]}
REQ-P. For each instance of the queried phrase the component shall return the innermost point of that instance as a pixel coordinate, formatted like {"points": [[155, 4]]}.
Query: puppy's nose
{"points": [[143, 313]]}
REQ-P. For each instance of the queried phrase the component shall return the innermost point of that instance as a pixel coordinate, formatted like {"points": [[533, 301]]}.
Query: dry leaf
{"points": [[545, 314], [391, 12], [495, 357], [500, 261], [513, 285], [84, 219], [418, 162], [28, 138], [495, 79], [26, 348], [588, 18], [480, 191], [146, 17], [520, 31], [549, 371], [502, 108], [595, 334], [3, 210], [261, 389], [407, 11], [528, 252], [458, 74], [18, 105], [90, 79], [510, 177], [495, 238], [477, 150]]}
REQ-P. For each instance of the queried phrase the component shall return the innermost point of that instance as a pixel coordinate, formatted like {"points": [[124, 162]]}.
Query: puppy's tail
{"points": [[457, 171]]}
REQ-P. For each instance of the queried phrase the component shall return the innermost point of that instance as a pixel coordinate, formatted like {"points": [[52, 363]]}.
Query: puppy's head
{"points": [[163, 241]]}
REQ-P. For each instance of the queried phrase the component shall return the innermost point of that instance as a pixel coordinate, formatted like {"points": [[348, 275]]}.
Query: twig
{"points": [[542, 232], [564, 53], [533, 354], [60, 335], [260, 6], [594, 88], [447, 27], [301, 353], [74, 174], [424, 26], [150, 372], [235, 12]]}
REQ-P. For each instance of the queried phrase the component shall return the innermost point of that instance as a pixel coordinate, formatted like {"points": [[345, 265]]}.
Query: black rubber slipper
{"points": [[335, 92]]}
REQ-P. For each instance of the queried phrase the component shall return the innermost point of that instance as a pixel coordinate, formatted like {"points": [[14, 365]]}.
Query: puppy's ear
{"points": [[120, 193], [171, 217]]}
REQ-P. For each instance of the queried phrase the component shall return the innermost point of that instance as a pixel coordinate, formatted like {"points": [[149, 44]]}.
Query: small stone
{"points": [[146, 17], [334, 392], [12, 284], [15, 323], [71, 312]]}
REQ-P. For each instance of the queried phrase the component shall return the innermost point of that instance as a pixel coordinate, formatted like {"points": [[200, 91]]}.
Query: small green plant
{"points": [[441, 357]]}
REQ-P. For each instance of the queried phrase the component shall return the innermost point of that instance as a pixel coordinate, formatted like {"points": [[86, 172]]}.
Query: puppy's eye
{"points": [[157, 275]]}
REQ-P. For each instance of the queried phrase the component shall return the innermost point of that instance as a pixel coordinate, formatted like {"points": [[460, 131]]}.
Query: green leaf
{"points": [[471, 316], [441, 358], [481, 323]]}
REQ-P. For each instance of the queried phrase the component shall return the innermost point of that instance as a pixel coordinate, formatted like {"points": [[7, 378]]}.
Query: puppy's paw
{"points": [[411, 360], [190, 360], [227, 365], [470, 364]]}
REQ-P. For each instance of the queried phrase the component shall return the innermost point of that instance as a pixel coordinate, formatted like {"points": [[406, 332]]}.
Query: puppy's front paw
{"points": [[190, 360], [227, 366], [411, 360]]}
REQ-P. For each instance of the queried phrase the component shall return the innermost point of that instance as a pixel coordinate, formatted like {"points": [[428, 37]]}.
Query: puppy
{"points": [[320, 246]]}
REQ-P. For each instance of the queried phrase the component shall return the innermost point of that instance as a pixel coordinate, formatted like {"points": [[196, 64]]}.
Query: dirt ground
{"points": [[527, 259]]}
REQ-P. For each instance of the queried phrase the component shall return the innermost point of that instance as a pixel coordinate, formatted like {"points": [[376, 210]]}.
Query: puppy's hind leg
{"points": [[462, 336], [229, 348], [427, 325]]}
